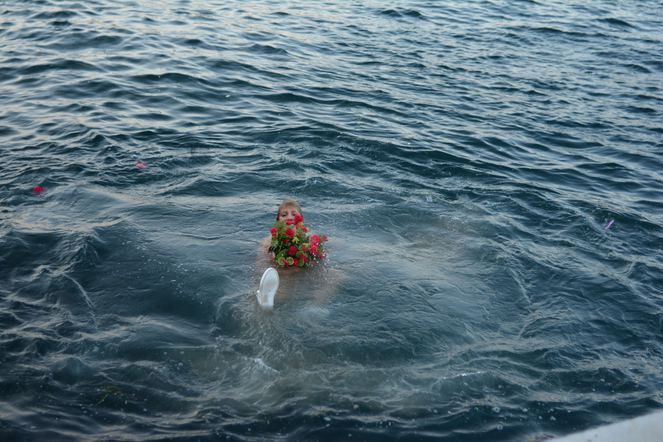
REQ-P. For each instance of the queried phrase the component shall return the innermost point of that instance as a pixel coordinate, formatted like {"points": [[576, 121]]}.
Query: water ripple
{"points": [[490, 176]]}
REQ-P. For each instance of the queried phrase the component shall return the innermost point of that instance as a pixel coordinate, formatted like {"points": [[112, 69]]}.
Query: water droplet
{"points": [[496, 409]]}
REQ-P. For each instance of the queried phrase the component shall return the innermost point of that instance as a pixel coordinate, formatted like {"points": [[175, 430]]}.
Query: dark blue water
{"points": [[490, 175]]}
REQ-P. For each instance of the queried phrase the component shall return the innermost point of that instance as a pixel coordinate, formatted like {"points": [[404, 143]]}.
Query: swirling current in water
{"points": [[489, 173]]}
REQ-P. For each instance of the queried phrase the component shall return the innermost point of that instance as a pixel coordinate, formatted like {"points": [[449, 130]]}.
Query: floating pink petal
{"points": [[38, 189], [141, 165]]}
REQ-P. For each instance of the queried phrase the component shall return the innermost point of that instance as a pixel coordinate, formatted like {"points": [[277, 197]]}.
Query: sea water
{"points": [[489, 175]]}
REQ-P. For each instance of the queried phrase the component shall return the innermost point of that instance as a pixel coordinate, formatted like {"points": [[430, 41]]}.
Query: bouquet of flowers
{"points": [[293, 247]]}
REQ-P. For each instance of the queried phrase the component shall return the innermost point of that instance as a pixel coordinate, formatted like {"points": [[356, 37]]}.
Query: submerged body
{"points": [[316, 280]]}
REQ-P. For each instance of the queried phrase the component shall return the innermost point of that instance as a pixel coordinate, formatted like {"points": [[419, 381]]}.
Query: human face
{"points": [[288, 213]]}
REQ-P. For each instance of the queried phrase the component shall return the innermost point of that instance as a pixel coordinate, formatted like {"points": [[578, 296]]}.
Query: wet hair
{"points": [[289, 203]]}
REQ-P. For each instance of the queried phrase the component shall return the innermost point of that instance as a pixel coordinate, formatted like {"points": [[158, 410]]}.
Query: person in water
{"points": [[318, 282], [288, 212]]}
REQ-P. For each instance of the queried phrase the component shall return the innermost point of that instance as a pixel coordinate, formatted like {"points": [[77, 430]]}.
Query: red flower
{"points": [[293, 246]]}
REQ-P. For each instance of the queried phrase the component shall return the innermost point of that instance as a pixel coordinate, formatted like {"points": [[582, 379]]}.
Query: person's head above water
{"points": [[288, 210]]}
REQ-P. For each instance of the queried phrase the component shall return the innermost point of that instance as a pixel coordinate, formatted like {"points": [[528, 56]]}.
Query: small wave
{"points": [[266, 49], [637, 68], [85, 40], [61, 65], [234, 66], [552, 30], [167, 77], [50, 15], [61, 23], [6, 131], [152, 116], [656, 64], [88, 88], [641, 110], [402, 13], [616, 22]]}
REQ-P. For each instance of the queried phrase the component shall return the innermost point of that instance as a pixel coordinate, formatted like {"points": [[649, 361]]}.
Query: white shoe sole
{"points": [[269, 284]]}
